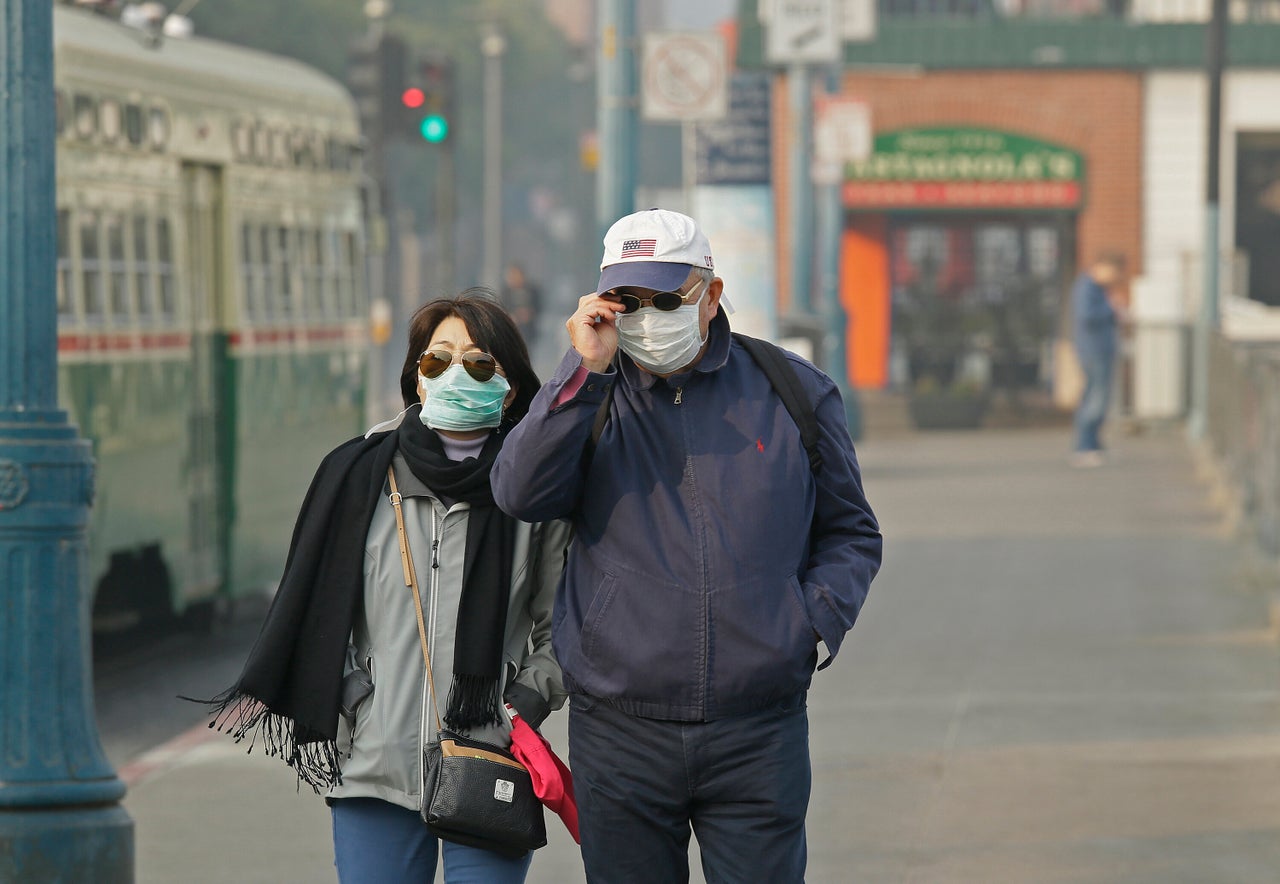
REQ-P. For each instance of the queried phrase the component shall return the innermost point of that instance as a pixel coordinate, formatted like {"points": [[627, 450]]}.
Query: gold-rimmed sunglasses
{"points": [[477, 363], [664, 301]]}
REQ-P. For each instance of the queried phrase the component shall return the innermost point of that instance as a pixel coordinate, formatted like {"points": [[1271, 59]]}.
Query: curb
{"points": [[166, 756]]}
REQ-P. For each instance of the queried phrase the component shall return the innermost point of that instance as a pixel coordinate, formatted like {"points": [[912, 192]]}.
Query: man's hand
{"points": [[592, 331]]}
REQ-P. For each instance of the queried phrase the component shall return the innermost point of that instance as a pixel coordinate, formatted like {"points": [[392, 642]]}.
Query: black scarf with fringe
{"points": [[289, 693]]}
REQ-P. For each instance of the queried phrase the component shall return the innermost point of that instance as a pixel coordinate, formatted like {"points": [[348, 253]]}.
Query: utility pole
{"points": [[616, 112], [60, 813], [800, 214], [1207, 323], [493, 46], [834, 321]]}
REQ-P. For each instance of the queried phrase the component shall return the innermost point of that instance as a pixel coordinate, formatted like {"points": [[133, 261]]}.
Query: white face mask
{"points": [[662, 341]]}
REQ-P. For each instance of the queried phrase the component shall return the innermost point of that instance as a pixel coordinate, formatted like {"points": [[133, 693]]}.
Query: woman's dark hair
{"points": [[492, 330]]}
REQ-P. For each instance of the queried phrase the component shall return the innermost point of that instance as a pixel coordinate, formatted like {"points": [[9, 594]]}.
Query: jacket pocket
{"points": [[645, 640], [763, 638]]}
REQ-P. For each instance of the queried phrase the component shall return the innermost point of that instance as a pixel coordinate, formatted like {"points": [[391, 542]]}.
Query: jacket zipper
{"points": [[431, 631], [679, 395]]}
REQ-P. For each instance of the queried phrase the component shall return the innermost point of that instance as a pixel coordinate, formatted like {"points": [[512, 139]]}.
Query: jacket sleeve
{"points": [[538, 687], [538, 475], [845, 543]]}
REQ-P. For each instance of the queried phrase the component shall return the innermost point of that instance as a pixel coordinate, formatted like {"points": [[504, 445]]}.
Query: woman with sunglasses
{"points": [[336, 684]]}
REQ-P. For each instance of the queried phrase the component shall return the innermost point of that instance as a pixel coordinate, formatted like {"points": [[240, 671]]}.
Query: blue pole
{"points": [[60, 816], [616, 112], [800, 191], [831, 226]]}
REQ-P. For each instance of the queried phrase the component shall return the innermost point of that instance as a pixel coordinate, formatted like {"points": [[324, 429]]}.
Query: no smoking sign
{"points": [[684, 76]]}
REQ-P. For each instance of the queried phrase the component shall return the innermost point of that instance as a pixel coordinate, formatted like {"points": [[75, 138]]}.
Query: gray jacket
{"points": [[380, 740]]}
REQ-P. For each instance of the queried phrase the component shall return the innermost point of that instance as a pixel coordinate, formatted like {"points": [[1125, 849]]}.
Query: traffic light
{"points": [[428, 102], [375, 75]]}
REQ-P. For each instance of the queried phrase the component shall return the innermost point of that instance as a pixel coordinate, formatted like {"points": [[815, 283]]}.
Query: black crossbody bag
{"points": [[473, 792]]}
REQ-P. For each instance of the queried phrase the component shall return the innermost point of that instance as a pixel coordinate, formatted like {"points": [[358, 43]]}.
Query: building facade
{"points": [[1013, 144]]}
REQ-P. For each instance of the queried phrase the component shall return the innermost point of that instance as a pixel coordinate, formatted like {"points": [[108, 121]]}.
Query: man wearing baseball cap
{"points": [[712, 555]]}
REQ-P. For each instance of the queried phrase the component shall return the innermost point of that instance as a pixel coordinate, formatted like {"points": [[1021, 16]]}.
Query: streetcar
{"points": [[213, 339]]}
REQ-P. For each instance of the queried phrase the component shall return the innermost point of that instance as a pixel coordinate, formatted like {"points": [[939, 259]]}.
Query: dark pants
{"points": [[742, 783], [1098, 366]]}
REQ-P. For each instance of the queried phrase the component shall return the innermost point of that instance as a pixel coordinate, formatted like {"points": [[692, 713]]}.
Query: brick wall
{"points": [[1098, 113]]}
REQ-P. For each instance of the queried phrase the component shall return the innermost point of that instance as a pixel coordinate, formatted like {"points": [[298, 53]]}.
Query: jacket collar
{"points": [[713, 359]]}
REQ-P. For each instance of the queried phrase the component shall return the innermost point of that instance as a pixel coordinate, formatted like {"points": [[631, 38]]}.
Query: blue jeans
{"points": [[376, 842], [742, 783], [1092, 411]]}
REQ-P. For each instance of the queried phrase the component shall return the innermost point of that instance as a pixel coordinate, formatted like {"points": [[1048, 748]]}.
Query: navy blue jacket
{"points": [[708, 558]]}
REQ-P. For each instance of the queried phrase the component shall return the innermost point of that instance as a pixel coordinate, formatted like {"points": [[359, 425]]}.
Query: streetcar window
{"points": [[337, 262], [164, 268], [135, 129], [350, 271], [270, 286], [158, 128], [286, 262], [142, 268], [86, 116], [117, 269], [109, 117], [319, 280], [252, 309], [91, 267], [64, 263], [302, 266]]}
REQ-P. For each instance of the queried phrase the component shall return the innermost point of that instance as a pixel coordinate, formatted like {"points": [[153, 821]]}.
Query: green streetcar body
{"points": [[212, 311]]}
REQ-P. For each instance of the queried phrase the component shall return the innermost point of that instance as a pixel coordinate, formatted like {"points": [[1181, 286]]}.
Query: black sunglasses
{"points": [[665, 301], [478, 364]]}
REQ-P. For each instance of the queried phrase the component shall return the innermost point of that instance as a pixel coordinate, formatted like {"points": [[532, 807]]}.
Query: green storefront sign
{"points": [[956, 167]]}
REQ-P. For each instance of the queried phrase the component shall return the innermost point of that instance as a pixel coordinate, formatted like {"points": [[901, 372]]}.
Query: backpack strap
{"points": [[773, 362], [597, 425]]}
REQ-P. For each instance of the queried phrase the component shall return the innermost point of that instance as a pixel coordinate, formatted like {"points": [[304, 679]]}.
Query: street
{"points": [[1060, 675]]}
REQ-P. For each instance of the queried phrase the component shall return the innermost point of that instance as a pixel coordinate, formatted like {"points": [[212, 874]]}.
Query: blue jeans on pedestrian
{"points": [[376, 842], [741, 783], [1097, 365]]}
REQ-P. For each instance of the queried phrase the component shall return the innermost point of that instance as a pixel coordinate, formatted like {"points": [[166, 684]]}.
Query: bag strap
{"points": [[782, 377], [773, 362], [411, 580]]}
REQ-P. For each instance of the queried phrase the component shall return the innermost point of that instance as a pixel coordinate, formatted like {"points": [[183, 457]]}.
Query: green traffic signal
{"points": [[434, 128]]}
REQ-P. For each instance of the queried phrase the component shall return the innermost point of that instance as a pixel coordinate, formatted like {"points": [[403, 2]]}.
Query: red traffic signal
{"points": [[413, 97]]}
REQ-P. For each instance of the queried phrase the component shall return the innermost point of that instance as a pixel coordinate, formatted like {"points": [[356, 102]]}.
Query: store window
{"points": [[1257, 268]]}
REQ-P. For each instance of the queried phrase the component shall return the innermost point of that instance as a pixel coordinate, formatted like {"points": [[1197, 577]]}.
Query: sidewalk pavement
{"points": [[1061, 675]]}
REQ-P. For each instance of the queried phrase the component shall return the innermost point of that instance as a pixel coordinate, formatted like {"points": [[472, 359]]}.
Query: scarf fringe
{"points": [[243, 717], [473, 703]]}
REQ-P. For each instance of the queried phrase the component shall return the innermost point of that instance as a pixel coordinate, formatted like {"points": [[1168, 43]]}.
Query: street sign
{"points": [[801, 31], [841, 134], [858, 20], [684, 77], [736, 150]]}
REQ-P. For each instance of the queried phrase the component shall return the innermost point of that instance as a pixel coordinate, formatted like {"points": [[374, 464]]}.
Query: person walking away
{"points": [[336, 684], [1096, 342], [523, 300], [710, 559]]}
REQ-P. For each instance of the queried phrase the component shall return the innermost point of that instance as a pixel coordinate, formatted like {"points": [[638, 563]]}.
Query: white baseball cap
{"points": [[653, 249]]}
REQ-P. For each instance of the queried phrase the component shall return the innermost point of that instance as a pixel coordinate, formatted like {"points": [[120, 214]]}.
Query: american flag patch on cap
{"points": [[638, 248]]}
